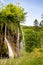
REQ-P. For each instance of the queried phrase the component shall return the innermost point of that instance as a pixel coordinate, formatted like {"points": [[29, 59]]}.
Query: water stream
{"points": [[11, 54], [18, 35], [23, 40]]}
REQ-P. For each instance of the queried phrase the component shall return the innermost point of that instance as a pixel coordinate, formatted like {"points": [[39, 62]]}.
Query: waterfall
{"points": [[23, 40], [5, 30], [22, 43], [11, 54], [18, 35]]}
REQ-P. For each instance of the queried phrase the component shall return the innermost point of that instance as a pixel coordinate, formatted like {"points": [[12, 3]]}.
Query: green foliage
{"points": [[32, 39], [2, 18], [13, 13]]}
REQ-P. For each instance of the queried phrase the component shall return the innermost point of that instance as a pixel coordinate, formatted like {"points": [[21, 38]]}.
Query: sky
{"points": [[34, 9]]}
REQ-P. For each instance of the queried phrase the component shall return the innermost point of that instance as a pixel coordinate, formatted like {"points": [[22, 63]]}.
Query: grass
{"points": [[34, 58]]}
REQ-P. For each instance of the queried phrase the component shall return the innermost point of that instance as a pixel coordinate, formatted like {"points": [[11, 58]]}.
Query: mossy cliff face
{"points": [[10, 18], [11, 35]]}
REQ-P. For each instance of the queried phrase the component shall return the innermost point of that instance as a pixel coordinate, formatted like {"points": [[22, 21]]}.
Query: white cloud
{"points": [[2, 1]]}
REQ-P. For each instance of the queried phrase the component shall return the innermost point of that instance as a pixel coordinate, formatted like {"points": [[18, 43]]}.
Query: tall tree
{"points": [[36, 24]]}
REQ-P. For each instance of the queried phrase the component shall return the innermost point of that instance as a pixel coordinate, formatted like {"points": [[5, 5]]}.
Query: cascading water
{"points": [[11, 54], [18, 37], [22, 44], [18, 42]]}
